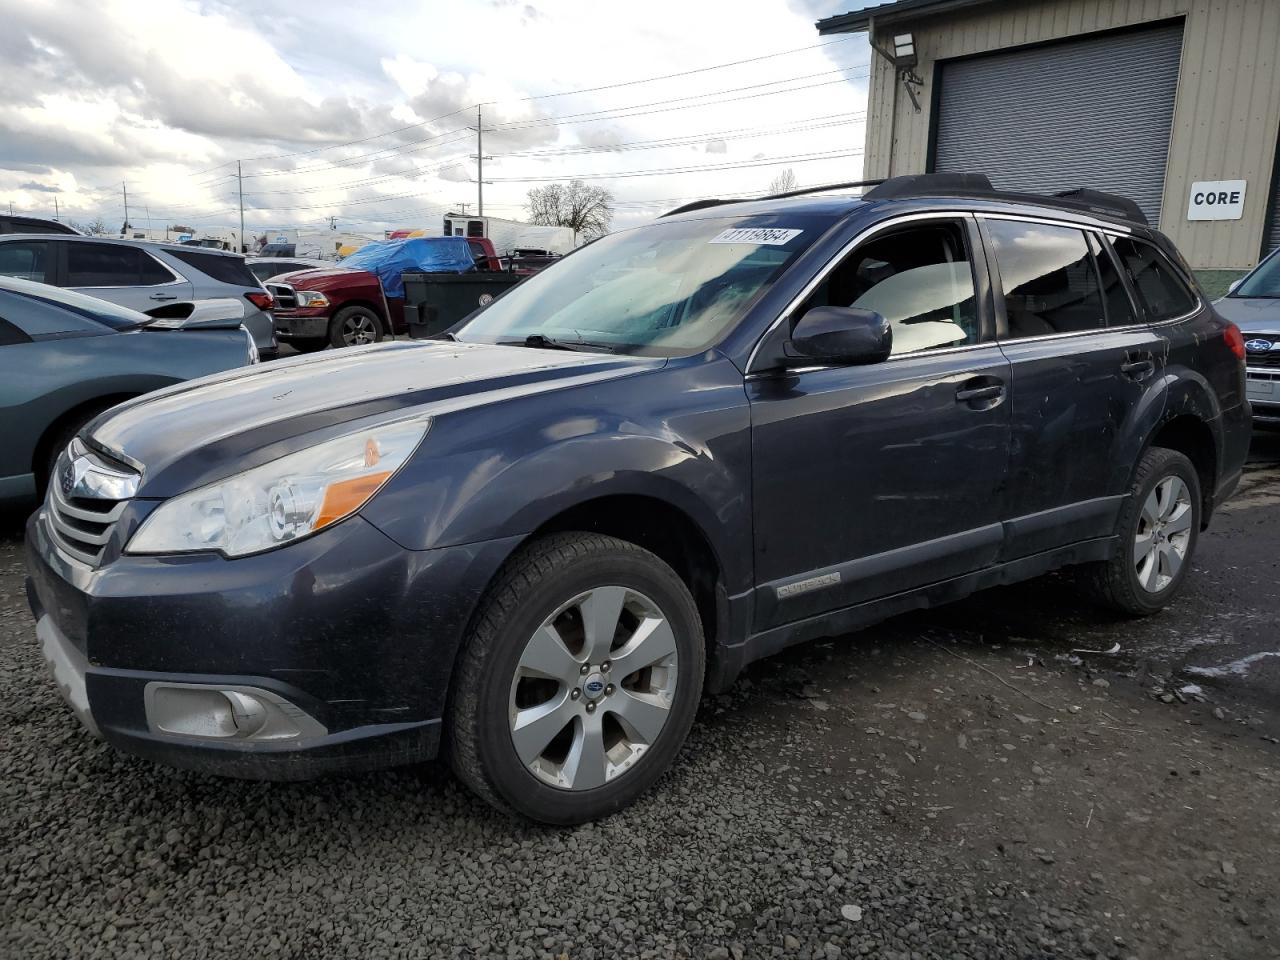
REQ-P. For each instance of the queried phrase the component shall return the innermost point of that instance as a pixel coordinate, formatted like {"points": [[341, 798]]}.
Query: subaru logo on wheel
{"points": [[1257, 346], [593, 687]]}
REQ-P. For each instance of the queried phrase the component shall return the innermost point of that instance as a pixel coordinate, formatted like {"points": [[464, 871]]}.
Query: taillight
{"points": [[264, 301], [1235, 340]]}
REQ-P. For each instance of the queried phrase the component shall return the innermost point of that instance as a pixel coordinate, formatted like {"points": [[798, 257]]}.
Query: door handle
{"points": [[975, 394], [163, 296], [1138, 369]]}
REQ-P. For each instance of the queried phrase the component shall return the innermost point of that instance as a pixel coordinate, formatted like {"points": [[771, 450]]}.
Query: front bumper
{"points": [[346, 634], [1262, 386], [302, 324]]}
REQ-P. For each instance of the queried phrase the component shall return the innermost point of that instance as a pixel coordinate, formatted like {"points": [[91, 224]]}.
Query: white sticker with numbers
{"points": [[769, 236]]}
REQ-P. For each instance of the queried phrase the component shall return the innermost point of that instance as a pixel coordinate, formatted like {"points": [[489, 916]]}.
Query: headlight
{"points": [[309, 298], [283, 500]]}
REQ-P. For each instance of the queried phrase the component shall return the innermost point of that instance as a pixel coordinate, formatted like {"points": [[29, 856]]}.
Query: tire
{"points": [[1138, 582], [560, 580], [309, 345], [354, 326]]}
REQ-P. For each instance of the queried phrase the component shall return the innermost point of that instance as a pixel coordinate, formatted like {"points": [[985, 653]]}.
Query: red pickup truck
{"points": [[342, 306]]}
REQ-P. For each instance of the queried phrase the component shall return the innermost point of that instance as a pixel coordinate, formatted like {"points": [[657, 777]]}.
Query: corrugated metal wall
{"points": [[1058, 116], [1225, 121]]}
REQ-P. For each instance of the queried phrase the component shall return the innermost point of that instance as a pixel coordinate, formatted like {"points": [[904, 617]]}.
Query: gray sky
{"points": [[163, 94]]}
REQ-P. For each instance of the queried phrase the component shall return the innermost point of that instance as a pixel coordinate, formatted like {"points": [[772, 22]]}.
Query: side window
{"points": [[917, 278], [1120, 312], [9, 334], [102, 265], [25, 259], [1049, 278], [153, 271], [1160, 289]]}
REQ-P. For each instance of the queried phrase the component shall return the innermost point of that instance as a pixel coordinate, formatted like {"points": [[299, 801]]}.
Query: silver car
{"points": [[1253, 305], [141, 275]]}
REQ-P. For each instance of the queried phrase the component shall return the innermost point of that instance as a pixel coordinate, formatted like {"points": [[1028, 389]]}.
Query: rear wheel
{"points": [[354, 326], [579, 680], [1158, 530]]}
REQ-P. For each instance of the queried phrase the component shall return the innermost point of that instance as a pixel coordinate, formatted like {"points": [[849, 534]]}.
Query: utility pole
{"points": [[147, 208], [479, 162], [11, 208], [55, 208], [240, 180], [125, 187]]}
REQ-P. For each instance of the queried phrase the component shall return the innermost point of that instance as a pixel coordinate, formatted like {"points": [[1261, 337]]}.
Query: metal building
{"points": [[1175, 103]]}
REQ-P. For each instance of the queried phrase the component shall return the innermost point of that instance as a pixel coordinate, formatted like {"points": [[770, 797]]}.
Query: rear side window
{"points": [[154, 272], [103, 265], [226, 269], [25, 259], [1049, 278], [1160, 290], [1120, 312]]}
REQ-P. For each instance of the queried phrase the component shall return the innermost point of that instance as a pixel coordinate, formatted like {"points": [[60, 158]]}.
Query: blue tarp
{"points": [[390, 258]]}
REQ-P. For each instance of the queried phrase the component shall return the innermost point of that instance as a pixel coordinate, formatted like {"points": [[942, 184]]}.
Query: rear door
{"points": [[27, 260], [873, 480], [121, 274], [1082, 362]]}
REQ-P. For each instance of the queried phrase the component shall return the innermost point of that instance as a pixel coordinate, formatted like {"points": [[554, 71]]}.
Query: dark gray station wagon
{"points": [[533, 545]]}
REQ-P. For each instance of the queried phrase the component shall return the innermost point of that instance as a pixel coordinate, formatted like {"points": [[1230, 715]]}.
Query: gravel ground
{"points": [[950, 784]]}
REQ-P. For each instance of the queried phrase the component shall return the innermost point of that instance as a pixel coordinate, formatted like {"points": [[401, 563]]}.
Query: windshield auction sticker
{"points": [[770, 236]]}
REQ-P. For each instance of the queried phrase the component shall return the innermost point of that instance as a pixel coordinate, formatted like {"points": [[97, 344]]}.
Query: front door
{"points": [[871, 480], [1082, 363]]}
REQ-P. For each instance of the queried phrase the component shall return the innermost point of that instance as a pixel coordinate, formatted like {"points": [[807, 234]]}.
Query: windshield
{"points": [[666, 289], [1263, 282], [108, 314]]}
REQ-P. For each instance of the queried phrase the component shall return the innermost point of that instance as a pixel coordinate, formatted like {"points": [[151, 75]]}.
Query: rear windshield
{"points": [[670, 288], [225, 268], [1263, 282]]}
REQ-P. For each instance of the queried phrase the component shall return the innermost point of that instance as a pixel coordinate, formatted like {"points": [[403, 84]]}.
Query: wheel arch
{"points": [[78, 412]]}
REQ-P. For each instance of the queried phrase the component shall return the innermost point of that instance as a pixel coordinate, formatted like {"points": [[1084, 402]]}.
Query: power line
{"points": [[736, 165]]}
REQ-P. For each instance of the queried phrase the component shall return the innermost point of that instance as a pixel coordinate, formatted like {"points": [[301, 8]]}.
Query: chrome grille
{"points": [[1268, 356], [79, 515], [285, 296]]}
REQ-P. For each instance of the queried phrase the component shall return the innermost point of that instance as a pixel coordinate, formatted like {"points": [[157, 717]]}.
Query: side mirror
{"points": [[1234, 283], [844, 335]]}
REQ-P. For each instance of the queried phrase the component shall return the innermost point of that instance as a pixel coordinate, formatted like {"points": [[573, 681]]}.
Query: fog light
{"points": [[208, 712]]}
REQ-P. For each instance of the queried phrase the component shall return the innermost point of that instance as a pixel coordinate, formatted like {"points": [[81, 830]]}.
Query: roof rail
{"points": [[931, 185], [822, 189], [697, 205], [978, 185], [1111, 204]]}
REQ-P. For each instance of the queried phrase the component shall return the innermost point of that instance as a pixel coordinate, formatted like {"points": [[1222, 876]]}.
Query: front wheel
{"points": [[579, 679], [1158, 529], [354, 326]]}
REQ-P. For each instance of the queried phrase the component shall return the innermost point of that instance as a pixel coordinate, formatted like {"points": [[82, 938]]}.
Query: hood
{"points": [[323, 278], [1251, 314], [207, 429]]}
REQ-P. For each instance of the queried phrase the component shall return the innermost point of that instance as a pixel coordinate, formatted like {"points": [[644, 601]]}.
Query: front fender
{"points": [[504, 470]]}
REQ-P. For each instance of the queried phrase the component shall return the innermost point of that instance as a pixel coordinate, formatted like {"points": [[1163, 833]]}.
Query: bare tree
{"points": [[784, 182], [587, 210], [94, 228]]}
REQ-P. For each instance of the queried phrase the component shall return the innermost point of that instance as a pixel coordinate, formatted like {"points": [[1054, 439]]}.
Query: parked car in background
{"points": [[141, 274], [65, 357], [266, 268], [683, 448], [361, 300], [1253, 304], [10, 223]]}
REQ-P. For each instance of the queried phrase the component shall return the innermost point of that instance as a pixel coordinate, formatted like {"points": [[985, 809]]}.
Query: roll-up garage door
{"points": [[1271, 239], [1093, 112]]}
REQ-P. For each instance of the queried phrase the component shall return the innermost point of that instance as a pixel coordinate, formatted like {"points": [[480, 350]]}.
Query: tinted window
{"points": [[919, 279], [153, 271], [25, 259], [102, 265], [1160, 290], [219, 267], [1120, 312], [10, 334], [1049, 278]]}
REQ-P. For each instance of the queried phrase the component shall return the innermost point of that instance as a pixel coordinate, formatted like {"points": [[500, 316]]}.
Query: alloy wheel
{"points": [[358, 330], [1164, 534], [593, 688]]}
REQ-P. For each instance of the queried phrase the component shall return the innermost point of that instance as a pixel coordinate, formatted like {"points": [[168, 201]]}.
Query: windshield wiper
{"points": [[542, 342]]}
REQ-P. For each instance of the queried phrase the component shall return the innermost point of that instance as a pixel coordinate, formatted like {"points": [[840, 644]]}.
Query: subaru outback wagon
{"points": [[532, 545]]}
